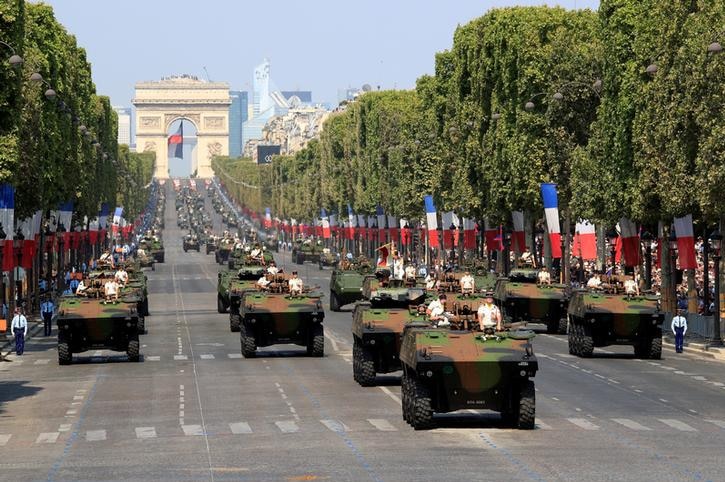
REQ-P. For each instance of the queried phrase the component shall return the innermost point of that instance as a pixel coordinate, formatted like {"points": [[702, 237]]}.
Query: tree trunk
{"points": [[722, 275], [565, 253], [668, 303]]}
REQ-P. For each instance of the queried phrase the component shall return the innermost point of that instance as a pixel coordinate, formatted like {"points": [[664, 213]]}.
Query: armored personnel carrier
{"points": [[87, 323], [522, 299], [610, 317], [327, 258], [224, 247], [275, 316], [445, 370], [377, 327], [306, 251], [346, 282], [211, 243], [243, 279], [191, 241]]}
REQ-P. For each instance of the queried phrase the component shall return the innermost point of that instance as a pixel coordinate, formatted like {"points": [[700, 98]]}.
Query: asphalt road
{"points": [[194, 410]]}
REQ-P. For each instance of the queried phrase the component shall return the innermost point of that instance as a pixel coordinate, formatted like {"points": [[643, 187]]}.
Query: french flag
{"points": [[381, 223], [7, 218], [448, 234], [469, 233], [66, 219], [432, 222], [267, 218], [585, 241], [518, 236], [551, 212], [325, 222], [362, 229], [630, 242], [351, 223], [685, 242], [333, 224], [176, 145]]}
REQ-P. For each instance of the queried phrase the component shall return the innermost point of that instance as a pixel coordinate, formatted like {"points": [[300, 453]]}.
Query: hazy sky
{"points": [[318, 45]]}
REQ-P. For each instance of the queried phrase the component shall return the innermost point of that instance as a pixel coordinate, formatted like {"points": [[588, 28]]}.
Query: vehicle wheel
{"points": [[421, 405], [249, 347], [145, 307], [185, 249], [527, 407], [221, 307], [573, 341], [405, 397], [133, 350], [334, 301], [365, 367], [316, 344], [655, 347], [234, 322], [65, 357], [562, 326], [586, 343], [153, 267], [141, 325], [355, 359]]}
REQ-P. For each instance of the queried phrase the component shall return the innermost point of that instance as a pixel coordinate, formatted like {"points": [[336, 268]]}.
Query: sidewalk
{"points": [[35, 327], [695, 345]]}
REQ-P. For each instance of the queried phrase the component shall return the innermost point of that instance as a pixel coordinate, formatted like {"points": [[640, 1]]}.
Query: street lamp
{"points": [[714, 48], [50, 93], [716, 244], [595, 87], [647, 239], [506, 253], [14, 60]]}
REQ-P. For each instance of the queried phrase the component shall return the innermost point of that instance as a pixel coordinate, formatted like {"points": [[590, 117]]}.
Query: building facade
{"points": [[124, 125], [238, 115]]}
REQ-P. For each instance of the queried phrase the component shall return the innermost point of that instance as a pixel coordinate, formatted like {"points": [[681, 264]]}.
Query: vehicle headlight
{"points": [[429, 373]]}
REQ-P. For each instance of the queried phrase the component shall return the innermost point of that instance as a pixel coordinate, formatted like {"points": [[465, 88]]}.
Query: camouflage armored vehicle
{"points": [[211, 244], [240, 258], [346, 282], [271, 244], [377, 327], [609, 317], [275, 316], [223, 278], [191, 241], [87, 323], [224, 247], [306, 251], [522, 299], [145, 259], [327, 258], [445, 370], [238, 286]]}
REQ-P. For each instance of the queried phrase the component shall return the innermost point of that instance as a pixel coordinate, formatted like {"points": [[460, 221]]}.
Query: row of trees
{"points": [[62, 147], [531, 95]]}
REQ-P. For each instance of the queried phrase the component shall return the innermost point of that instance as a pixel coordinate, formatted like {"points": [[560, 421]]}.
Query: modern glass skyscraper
{"points": [[124, 125], [238, 114]]}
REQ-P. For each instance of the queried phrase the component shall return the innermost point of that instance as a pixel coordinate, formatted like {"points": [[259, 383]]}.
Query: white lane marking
{"points": [[565, 355], [335, 425], [64, 427], [542, 425], [234, 355], [145, 432], [4, 438], [677, 425], [719, 423], [699, 378], [387, 391], [332, 341], [95, 435], [680, 372], [630, 424], [382, 425], [153, 358], [718, 384], [663, 400], [180, 357], [78, 397], [287, 426], [583, 423], [206, 357], [72, 411], [42, 361], [47, 438], [192, 430], [240, 428]]}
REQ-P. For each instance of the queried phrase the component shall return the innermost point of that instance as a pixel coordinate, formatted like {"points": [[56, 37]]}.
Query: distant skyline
{"points": [[318, 45]]}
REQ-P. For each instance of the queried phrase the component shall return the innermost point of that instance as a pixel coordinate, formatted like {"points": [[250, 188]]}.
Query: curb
{"points": [[34, 328], [697, 348]]}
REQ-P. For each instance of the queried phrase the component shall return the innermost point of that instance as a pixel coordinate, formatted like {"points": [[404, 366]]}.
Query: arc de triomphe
{"points": [[204, 104]]}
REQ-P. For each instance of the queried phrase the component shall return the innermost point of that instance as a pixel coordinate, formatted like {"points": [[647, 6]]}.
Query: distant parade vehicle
{"points": [[346, 282], [306, 251], [523, 299], [327, 258], [211, 243], [191, 242], [610, 316], [279, 315], [224, 248]]}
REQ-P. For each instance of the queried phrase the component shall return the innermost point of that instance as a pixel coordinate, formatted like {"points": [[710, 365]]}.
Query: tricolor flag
{"points": [[381, 223], [518, 237], [630, 242], [333, 224], [551, 211], [585, 241], [685, 242], [325, 222], [362, 229], [351, 222], [176, 146], [469, 233], [448, 233], [432, 222], [7, 218], [393, 230], [267, 218], [492, 235]]}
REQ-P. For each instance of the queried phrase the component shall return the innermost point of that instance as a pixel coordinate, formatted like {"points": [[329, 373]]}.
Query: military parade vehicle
{"points": [[457, 368], [600, 318], [327, 258], [145, 259], [211, 244], [224, 247], [377, 327], [346, 282], [191, 241], [89, 323], [270, 243], [276, 316], [522, 299], [306, 251], [152, 244]]}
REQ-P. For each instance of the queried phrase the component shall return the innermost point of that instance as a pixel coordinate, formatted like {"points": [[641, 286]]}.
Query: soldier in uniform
{"points": [[544, 277], [436, 311], [295, 284], [489, 316], [467, 283]]}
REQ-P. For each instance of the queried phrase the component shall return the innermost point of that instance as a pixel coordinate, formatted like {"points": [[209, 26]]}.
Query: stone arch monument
{"points": [[204, 104]]}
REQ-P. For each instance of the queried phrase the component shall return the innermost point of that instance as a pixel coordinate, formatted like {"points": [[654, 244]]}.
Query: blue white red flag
{"points": [[267, 218], [7, 218], [518, 237], [551, 212], [431, 218], [325, 221], [685, 242], [176, 144]]}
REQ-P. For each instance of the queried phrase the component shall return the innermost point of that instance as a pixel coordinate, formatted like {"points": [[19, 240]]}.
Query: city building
{"points": [[238, 115], [304, 96], [124, 125], [267, 102]]}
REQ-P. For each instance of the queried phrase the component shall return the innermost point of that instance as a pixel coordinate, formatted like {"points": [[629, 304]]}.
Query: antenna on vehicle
{"points": [[207, 74]]}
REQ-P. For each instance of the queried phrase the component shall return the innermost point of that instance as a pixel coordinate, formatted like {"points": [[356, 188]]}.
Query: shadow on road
{"points": [[15, 390], [478, 420]]}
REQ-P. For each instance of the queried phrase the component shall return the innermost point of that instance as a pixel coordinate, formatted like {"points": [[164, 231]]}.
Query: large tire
{"points": [[573, 341], [586, 343], [655, 347], [421, 405], [316, 343], [562, 326], [133, 351], [365, 366], [334, 301], [249, 346], [405, 397], [526, 416], [221, 307], [65, 357], [234, 323], [141, 325]]}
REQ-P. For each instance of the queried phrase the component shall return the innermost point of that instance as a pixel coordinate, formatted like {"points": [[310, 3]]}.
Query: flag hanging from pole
{"points": [[585, 241], [685, 242], [518, 237], [432, 222], [325, 222], [630, 242], [176, 144], [381, 223], [551, 211], [493, 240], [469, 233], [7, 218]]}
